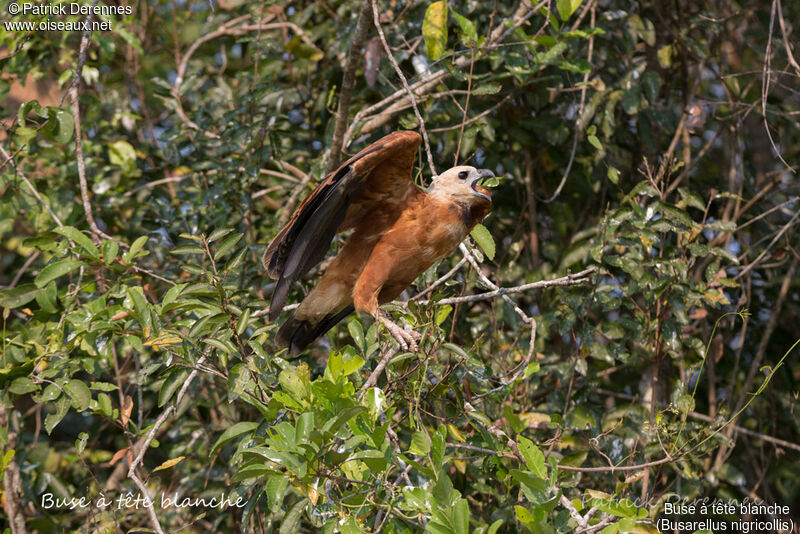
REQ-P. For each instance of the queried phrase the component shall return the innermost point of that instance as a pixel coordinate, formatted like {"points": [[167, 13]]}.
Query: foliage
{"points": [[631, 138]]}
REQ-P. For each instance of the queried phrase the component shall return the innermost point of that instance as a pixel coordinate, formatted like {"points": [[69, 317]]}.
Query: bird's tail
{"points": [[297, 334]]}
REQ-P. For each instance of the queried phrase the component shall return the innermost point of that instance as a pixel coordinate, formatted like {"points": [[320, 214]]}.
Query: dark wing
{"points": [[380, 172]]}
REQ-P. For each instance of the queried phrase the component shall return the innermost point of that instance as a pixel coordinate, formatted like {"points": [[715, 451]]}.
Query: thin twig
{"points": [[376, 373], [765, 79], [411, 97], [141, 447], [441, 280], [485, 279], [769, 246], [32, 189], [227, 29], [522, 367], [569, 280], [787, 47], [566, 503], [96, 233], [348, 81], [579, 123], [561, 467], [397, 100], [466, 106]]}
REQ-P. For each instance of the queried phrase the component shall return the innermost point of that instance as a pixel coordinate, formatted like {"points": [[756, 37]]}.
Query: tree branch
{"points": [[409, 92], [348, 81]]}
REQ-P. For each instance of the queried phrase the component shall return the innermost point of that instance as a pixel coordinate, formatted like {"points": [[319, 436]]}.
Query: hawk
{"points": [[398, 232]]}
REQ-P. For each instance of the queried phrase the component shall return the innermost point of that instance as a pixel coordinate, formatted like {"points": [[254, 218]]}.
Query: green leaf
{"points": [[484, 240], [534, 457], [80, 239], [376, 402], [133, 252], [467, 28], [172, 294], [170, 386], [489, 88], [651, 82], [631, 100], [221, 345], [579, 65], [241, 324], [18, 296], [566, 8], [613, 175], [226, 246], [24, 135], [80, 443], [219, 233], [343, 364], [420, 444], [25, 109], [342, 417], [292, 518], [53, 418], [275, 490], [103, 386], [232, 433], [79, 394], [441, 314], [56, 270], [434, 29], [357, 332], [104, 405], [59, 125], [622, 508], [595, 142], [110, 249], [136, 295], [181, 250], [22, 385], [123, 154], [129, 38]]}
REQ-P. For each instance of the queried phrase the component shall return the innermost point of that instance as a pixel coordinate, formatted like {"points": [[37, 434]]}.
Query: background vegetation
{"points": [[143, 171]]}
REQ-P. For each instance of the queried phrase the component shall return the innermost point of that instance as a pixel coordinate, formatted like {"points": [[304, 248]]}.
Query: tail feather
{"points": [[297, 334]]}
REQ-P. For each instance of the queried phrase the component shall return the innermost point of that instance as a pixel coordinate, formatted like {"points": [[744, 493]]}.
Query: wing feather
{"points": [[382, 171]]}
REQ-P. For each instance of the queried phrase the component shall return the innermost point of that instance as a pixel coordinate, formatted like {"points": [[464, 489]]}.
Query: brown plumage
{"points": [[398, 232]]}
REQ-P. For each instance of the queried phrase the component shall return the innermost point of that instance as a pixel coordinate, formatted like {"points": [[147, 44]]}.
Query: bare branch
{"points": [[376, 373], [411, 97], [399, 99], [569, 280], [76, 119], [141, 446], [765, 80], [348, 81]]}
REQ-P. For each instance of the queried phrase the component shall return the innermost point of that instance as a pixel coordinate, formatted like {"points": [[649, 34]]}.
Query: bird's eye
{"points": [[463, 175]]}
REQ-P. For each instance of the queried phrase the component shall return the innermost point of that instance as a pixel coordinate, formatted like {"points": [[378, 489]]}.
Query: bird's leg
{"points": [[406, 337]]}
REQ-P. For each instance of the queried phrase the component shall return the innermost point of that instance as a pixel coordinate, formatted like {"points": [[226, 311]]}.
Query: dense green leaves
{"points": [[628, 141]]}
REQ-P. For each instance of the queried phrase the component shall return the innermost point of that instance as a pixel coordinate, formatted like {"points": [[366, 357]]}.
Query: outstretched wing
{"points": [[378, 177]]}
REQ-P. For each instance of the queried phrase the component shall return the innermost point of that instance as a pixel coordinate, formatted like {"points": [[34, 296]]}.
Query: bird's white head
{"points": [[461, 183]]}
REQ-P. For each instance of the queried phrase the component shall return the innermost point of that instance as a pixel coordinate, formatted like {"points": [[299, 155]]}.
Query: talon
{"points": [[406, 337]]}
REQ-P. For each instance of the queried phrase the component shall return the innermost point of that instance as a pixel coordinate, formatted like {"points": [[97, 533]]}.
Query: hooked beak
{"points": [[482, 192]]}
